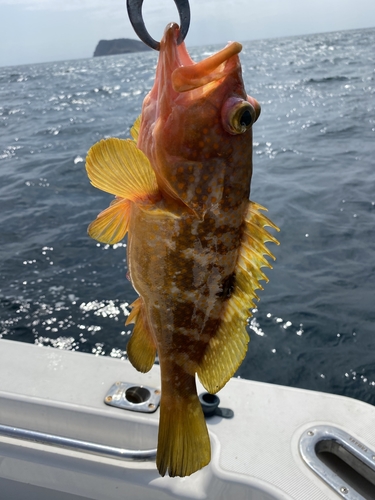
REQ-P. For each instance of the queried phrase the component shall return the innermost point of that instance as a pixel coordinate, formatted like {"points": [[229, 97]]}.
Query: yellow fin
{"points": [[160, 210], [254, 216], [228, 347], [118, 167], [141, 347], [134, 131], [183, 442], [111, 225], [136, 306], [251, 257]]}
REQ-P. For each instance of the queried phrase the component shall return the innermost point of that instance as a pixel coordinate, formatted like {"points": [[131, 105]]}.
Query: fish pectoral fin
{"points": [[118, 167], [183, 441], [141, 348], [111, 225], [134, 131], [227, 349]]}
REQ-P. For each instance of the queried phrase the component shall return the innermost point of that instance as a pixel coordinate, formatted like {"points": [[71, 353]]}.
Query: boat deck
{"points": [[255, 455]]}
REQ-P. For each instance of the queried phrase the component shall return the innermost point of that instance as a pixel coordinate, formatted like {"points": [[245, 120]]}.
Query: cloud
{"points": [[64, 5]]}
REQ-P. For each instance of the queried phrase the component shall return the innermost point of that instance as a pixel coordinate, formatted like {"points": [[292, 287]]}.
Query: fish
{"points": [[196, 243]]}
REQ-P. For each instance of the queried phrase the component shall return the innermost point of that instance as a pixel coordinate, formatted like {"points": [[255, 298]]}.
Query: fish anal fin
{"points": [[183, 442], [135, 308], [111, 225], [228, 347], [141, 348], [118, 167]]}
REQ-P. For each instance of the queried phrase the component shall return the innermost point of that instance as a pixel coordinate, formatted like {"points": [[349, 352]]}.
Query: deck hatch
{"points": [[345, 463]]}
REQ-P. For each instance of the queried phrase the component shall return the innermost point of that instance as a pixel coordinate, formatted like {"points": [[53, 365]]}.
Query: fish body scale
{"points": [[182, 267]]}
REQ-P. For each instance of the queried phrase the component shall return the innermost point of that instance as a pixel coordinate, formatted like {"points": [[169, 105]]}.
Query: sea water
{"points": [[314, 169]]}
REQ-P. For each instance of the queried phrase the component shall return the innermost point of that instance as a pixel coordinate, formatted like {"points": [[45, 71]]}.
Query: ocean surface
{"points": [[314, 169]]}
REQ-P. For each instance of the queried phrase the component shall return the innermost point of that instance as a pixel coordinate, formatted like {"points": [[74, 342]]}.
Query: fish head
{"points": [[196, 126]]}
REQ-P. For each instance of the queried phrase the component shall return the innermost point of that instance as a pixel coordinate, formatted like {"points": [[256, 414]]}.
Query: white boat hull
{"points": [[255, 455]]}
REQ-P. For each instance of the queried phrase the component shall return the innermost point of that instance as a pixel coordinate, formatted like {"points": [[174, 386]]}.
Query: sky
{"points": [[35, 31]]}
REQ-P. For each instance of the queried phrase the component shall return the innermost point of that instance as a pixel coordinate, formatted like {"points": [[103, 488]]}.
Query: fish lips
{"points": [[183, 73]]}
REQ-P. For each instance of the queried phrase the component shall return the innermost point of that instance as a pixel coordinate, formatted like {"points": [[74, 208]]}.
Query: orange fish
{"points": [[195, 242]]}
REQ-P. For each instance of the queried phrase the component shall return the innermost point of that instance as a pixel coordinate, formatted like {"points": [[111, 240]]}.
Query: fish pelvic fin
{"points": [[183, 442], [118, 167], [141, 348], [111, 224], [228, 347]]}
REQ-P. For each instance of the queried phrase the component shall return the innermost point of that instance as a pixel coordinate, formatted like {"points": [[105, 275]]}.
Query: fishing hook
{"points": [[135, 15]]}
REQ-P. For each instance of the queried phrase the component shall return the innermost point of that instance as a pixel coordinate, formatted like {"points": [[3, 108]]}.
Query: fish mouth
{"points": [[189, 75]]}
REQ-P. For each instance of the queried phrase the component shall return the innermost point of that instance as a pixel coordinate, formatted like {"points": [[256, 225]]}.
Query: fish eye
{"points": [[246, 119], [237, 115]]}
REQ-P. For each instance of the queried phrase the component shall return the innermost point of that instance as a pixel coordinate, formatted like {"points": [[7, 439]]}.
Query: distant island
{"points": [[119, 46]]}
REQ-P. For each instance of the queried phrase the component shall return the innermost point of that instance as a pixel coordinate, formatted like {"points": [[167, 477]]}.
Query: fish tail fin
{"points": [[183, 443]]}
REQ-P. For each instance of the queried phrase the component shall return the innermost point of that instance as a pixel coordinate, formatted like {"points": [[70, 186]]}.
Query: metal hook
{"points": [[135, 15]]}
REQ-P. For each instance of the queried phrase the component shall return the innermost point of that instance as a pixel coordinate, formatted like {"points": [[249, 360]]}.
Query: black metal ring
{"points": [[135, 15]]}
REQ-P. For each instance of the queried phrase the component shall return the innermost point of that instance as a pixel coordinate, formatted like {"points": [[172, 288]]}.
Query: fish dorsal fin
{"points": [[134, 131], [228, 347], [118, 167], [141, 347]]}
